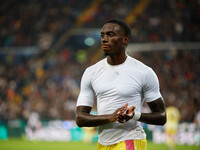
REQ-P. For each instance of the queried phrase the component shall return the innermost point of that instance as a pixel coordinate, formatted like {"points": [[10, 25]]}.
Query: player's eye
{"points": [[110, 34]]}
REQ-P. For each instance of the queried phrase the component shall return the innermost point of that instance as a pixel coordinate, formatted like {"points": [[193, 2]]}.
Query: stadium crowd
{"points": [[172, 20], [48, 82], [24, 23]]}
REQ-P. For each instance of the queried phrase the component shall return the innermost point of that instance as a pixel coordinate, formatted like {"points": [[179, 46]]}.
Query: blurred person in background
{"points": [[197, 119], [33, 125], [120, 84], [197, 123], [171, 126]]}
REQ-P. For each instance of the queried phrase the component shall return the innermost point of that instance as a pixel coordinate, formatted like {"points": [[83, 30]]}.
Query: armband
{"points": [[136, 116]]}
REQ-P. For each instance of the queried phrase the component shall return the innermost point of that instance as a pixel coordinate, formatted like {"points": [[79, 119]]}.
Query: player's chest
{"points": [[116, 82]]}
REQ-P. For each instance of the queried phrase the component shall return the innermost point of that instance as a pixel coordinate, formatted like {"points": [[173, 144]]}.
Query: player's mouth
{"points": [[105, 46]]}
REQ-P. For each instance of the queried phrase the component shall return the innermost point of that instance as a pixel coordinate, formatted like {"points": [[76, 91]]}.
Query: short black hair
{"points": [[123, 25]]}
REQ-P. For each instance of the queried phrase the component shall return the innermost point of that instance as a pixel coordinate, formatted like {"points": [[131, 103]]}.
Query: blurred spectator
{"points": [[197, 119]]}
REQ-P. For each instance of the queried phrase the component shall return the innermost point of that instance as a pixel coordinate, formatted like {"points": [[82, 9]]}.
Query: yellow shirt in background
{"points": [[173, 117]]}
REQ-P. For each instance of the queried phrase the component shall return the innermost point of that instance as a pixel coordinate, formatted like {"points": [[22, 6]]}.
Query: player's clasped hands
{"points": [[124, 113]]}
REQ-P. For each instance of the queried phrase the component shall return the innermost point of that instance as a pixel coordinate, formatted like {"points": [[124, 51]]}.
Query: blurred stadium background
{"points": [[45, 45]]}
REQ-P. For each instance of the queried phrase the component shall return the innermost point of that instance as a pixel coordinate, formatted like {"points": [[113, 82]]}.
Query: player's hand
{"points": [[126, 116], [114, 117]]}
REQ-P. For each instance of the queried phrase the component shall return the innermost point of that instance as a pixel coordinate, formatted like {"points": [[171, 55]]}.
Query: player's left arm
{"points": [[157, 116], [154, 99]]}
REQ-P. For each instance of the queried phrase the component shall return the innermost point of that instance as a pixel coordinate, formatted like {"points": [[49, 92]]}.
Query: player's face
{"points": [[112, 39]]}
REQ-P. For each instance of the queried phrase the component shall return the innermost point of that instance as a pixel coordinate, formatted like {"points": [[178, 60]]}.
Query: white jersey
{"points": [[114, 86]]}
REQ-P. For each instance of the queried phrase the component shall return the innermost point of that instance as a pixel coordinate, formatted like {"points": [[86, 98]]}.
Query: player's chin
{"points": [[107, 53]]}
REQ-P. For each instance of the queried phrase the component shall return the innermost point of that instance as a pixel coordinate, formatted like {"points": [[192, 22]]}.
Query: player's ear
{"points": [[125, 40]]}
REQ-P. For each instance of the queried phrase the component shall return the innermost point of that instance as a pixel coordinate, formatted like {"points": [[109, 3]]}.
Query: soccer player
{"points": [[120, 84], [171, 127]]}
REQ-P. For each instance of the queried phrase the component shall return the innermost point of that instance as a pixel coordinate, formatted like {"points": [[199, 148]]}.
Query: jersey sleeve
{"points": [[151, 87], [86, 95]]}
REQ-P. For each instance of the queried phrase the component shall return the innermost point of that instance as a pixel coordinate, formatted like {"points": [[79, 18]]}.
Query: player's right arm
{"points": [[85, 103], [85, 119]]}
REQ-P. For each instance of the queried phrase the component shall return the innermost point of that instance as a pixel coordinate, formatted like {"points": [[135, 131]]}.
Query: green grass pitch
{"points": [[19, 144]]}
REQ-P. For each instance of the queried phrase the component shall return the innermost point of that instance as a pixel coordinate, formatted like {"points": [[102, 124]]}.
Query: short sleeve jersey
{"points": [[131, 82]]}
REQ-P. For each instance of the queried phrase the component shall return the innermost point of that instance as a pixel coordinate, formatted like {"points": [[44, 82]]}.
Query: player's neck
{"points": [[116, 59]]}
